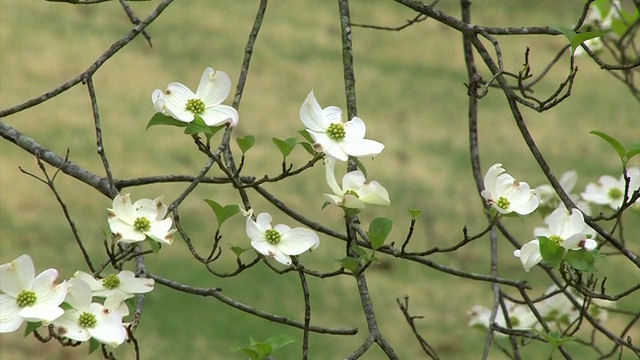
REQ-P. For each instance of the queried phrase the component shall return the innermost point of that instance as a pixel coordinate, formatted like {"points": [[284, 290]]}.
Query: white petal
{"points": [[568, 180], [47, 292], [266, 249], [264, 221], [363, 147], [374, 193], [311, 114], [157, 98], [335, 200], [10, 319], [490, 179], [95, 285], [355, 129], [332, 114], [78, 294], [574, 241], [353, 202], [214, 87], [253, 231], [220, 114], [46, 313], [353, 180], [329, 146], [123, 209], [17, 275], [129, 283], [529, 254], [330, 165], [176, 98], [297, 241], [67, 326], [108, 329], [161, 231]]}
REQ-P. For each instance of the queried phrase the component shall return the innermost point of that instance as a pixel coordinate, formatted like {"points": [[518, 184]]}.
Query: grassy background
{"points": [[411, 95]]}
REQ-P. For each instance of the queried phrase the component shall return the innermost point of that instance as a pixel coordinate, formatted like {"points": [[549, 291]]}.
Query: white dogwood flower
{"points": [[333, 136], [507, 195], [134, 222], [356, 191], [565, 229], [88, 320], [280, 241], [179, 102], [610, 191], [26, 297]]}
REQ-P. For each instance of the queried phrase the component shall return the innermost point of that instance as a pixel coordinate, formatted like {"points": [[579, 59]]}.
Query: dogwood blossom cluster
{"points": [[68, 306], [610, 191], [135, 222], [556, 308], [564, 228]]}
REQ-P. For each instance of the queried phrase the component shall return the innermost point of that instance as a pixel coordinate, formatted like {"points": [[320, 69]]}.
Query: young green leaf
{"points": [[93, 345], [617, 145], [306, 136], [575, 39], [246, 142], [349, 263], [161, 119], [155, 246], [633, 151], [222, 212], [378, 231], [581, 260], [308, 148], [279, 341], [31, 327], [414, 213], [285, 146], [238, 250], [551, 252], [197, 126]]}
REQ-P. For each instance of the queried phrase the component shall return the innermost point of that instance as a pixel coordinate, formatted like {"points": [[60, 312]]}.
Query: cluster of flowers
{"points": [[601, 17], [556, 309], [566, 228], [333, 136], [69, 306]]}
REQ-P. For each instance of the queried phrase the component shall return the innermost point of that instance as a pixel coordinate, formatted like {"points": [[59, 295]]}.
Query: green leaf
{"points": [[378, 231], [555, 338], [161, 119], [308, 147], [414, 213], [246, 142], [222, 212], [238, 250], [575, 39], [349, 263], [617, 145], [551, 252], [306, 136], [155, 246], [581, 260], [93, 345], [253, 355], [285, 146], [197, 126], [633, 151], [360, 166], [279, 341], [31, 327]]}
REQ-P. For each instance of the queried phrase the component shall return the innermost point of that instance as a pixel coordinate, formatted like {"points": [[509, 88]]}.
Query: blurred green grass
{"points": [[411, 95]]}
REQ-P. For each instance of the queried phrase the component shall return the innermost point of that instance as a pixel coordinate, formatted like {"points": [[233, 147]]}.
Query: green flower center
{"points": [[87, 320], [615, 193], [142, 224], [352, 193], [26, 298], [514, 321], [196, 106], [556, 239], [111, 282], [336, 131], [273, 236], [503, 203]]}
